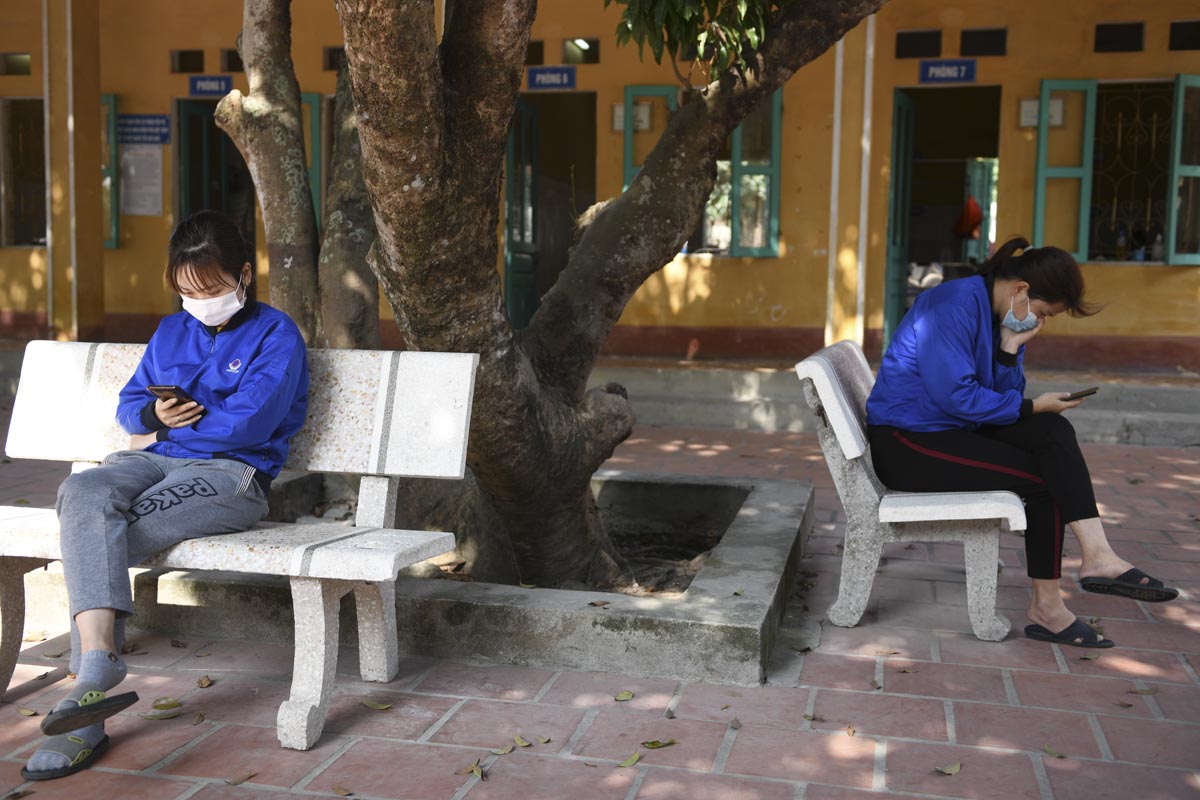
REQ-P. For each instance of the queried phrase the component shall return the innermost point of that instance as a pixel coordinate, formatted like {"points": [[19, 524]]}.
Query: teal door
{"points": [[212, 174], [899, 213], [981, 184], [520, 218]]}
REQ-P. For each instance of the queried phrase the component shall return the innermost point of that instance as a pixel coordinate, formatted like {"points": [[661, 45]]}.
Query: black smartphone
{"points": [[1082, 393], [167, 392]]}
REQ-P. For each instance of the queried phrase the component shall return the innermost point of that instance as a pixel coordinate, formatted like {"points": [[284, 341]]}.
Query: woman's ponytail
{"points": [[998, 264]]}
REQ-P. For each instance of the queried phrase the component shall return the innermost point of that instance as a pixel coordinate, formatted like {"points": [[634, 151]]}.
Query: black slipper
{"points": [[83, 760], [1129, 584], [1077, 634], [93, 707]]}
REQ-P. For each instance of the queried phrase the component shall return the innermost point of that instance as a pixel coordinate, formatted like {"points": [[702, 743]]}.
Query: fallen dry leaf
{"points": [[950, 769], [738, 593], [1123, 704], [887, 652], [528, 585], [906, 670], [520, 742], [478, 772], [542, 739], [1092, 657], [669, 714], [177, 643], [503, 751], [599, 603], [59, 654], [166, 703], [629, 762], [340, 791], [42, 677], [736, 724], [655, 744], [876, 685], [240, 779], [19, 795], [27, 712], [129, 647], [1052, 752], [622, 696], [168, 714], [725, 706], [851, 730], [196, 720], [815, 718], [1143, 691], [468, 769], [204, 682], [34, 636], [375, 705]]}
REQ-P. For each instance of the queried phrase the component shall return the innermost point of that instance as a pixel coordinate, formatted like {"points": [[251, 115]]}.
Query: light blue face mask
{"points": [[1020, 325]]}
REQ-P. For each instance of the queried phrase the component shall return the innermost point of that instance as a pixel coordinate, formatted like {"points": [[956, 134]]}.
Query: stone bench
{"points": [[837, 382], [382, 415]]}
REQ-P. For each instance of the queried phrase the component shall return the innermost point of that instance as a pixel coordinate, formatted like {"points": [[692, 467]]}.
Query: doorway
{"points": [[212, 173], [942, 203], [551, 180]]}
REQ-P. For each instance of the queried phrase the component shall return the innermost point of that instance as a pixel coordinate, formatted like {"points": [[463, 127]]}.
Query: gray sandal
{"points": [[92, 705], [75, 749]]}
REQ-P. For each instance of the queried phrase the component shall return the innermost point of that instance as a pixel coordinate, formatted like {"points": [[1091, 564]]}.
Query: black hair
{"points": [[1051, 272], [207, 246]]}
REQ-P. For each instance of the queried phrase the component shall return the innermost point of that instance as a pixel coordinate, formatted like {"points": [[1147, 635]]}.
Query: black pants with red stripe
{"points": [[1036, 457]]}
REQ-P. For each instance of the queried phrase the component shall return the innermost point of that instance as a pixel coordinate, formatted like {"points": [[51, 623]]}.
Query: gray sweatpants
{"points": [[135, 504]]}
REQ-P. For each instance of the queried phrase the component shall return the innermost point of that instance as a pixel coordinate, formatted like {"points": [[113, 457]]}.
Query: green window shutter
{"points": [[1183, 188], [313, 101], [110, 171], [740, 170], [631, 94], [1081, 172]]}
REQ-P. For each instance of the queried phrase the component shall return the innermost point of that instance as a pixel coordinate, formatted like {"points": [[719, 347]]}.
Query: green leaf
{"points": [[1051, 751], [655, 744], [374, 705], [520, 742], [622, 696], [503, 751], [950, 769], [467, 770], [157, 715], [629, 762], [166, 703], [542, 739]]}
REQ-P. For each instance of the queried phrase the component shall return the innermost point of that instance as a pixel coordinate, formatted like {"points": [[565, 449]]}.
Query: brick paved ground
{"points": [[1126, 722]]}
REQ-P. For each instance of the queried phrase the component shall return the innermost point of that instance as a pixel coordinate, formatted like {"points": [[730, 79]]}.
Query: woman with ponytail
{"points": [[948, 413]]}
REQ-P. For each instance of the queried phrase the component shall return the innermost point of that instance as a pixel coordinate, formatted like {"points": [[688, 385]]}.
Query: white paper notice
{"points": [[141, 180]]}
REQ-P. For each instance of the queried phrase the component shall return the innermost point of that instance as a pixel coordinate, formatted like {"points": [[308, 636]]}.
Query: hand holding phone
{"points": [[167, 392], [175, 408], [1081, 394]]}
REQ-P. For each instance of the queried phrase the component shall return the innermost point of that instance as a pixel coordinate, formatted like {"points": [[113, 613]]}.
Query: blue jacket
{"points": [[251, 377], [944, 369]]}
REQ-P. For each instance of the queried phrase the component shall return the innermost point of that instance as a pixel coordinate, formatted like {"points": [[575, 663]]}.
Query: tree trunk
{"points": [[265, 127]]}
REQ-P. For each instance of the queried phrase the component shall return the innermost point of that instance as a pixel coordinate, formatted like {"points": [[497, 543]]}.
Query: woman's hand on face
{"points": [[1054, 403], [140, 441], [1011, 341], [174, 414]]}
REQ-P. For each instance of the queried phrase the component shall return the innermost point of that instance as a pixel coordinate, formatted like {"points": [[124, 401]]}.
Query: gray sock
{"points": [[101, 668], [60, 751]]}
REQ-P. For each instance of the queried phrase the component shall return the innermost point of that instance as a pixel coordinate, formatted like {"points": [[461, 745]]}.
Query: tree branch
{"points": [[643, 229], [265, 125]]}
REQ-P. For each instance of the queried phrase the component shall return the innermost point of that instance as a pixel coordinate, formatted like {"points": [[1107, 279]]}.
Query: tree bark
{"points": [[265, 127], [348, 289]]}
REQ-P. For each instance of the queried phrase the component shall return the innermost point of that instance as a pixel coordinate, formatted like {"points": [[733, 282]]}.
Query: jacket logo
{"points": [[234, 366]]}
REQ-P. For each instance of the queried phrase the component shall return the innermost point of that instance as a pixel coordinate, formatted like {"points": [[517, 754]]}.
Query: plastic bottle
{"points": [[1122, 245], [1157, 250]]}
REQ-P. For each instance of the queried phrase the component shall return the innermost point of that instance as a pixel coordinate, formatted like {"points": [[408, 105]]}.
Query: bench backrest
{"points": [[369, 412], [837, 381]]}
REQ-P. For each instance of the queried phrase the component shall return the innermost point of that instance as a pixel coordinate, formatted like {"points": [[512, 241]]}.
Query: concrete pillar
{"points": [[71, 38]]}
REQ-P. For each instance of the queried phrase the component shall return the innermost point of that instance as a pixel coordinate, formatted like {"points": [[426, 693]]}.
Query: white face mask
{"points": [[215, 311]]}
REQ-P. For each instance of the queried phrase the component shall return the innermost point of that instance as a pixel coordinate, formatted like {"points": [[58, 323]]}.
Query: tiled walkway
{"points": [[871, 712]]}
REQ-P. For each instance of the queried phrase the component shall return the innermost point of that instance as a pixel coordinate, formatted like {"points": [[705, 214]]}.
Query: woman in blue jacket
{"points": [[948, 413], [192, 469]]}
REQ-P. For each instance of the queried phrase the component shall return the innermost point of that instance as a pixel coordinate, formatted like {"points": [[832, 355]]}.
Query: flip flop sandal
{"points": [[73, 748], [92, 706], [1129, 584], [1077, 634]]}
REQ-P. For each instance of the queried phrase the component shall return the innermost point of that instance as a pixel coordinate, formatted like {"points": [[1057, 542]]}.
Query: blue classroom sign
{"points": [[947, 70], [209, 85], [551, 78], [143, 129]]}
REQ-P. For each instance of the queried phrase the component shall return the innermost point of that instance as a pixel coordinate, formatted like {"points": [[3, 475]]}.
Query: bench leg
{"points": [[378, 655], [315, 604], [12, 613], [981, 553], [860, 560]]}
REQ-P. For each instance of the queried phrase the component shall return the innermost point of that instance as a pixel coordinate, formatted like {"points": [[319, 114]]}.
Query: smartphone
{"points": [[167, 392], [1082, 393]]}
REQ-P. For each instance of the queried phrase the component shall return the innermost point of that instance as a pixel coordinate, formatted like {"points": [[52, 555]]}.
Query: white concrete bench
{"points": [[837, 382], [382, 415]]}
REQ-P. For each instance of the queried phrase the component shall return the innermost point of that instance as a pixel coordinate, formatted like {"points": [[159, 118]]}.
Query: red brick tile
{"points": [[494, 682], [1092, 780], [778, 706], [1079, 693], [240, 699], [1009, 598], [1119, 533], [398, 770], [521, 777], [137, 743], [617, 735], [1015, 652], [943, 680], [1106, 607], [492, 724], [816, 792], [1178, 702], [236, 750], [409, 717], [1024, 729], [803, 756], [984, 775], [930, 616], [218, 791], [1153, 635], [154, 650], [264, 659], [881, 715], [597, 689], [1163, 744], [94, 783], [1183, 610], [1121, 662], [27, 684], [870, 640], [10, 776], [348, 675], [16, 730], [1184, 552], [661, 784], [836, 671]]}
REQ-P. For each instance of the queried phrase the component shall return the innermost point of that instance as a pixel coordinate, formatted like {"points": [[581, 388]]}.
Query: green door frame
{"points": [[899, 207], [1179, 171]]}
